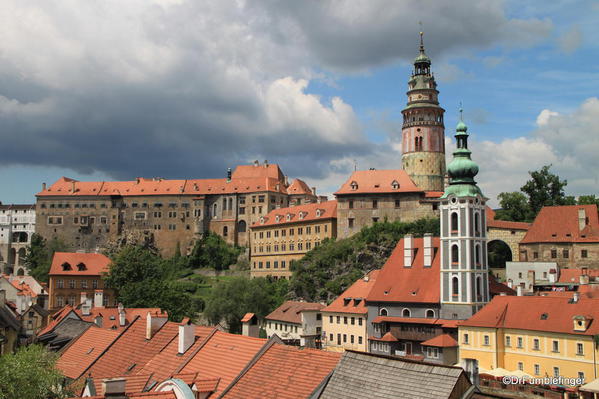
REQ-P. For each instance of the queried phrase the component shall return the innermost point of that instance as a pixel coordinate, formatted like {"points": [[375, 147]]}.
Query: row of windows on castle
{"points": [[70, 300], [285, 247], [291, 231], [352, 339], [455, 225], [72, 284], [565, 254]]}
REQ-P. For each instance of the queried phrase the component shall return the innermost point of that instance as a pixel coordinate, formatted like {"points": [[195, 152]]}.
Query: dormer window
{"points": [[318, 213], [278, 218], [66, 266], [262, 220], [288, 216], [395, 185], [301, 215], [81, 267], [581, 323], [354, 185]]}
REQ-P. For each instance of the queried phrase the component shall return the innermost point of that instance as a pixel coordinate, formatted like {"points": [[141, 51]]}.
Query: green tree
{"points": [[588, 200], [545, 189], [231, 299], [514, 207], [30, 373], [212, 251], [40, 252]]}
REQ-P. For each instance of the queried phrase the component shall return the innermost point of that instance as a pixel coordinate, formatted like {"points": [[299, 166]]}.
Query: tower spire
{"points": [[421, 38]]}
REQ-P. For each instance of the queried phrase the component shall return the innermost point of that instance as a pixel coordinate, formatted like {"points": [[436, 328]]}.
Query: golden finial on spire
{"points": [[421, 36]]}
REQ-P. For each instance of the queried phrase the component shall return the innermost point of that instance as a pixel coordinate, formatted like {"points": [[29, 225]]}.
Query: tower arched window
{"points": [[455, 254], [479, 289], [230, 203], [430, 314], [455, 287], [214, 207], [476, 223], [241, 226], [406, 313], [477, 255], [454, 222], [383, 312], [225, 231]]}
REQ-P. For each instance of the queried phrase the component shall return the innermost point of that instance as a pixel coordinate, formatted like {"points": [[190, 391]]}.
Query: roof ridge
{"points": [[195, 352]]}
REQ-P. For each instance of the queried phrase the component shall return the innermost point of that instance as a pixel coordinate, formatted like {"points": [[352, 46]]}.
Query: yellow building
{"points": [[286, 234], [541, 336], [345, 320]]}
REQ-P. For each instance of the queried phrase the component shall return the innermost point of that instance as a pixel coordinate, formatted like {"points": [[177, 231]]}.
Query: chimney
{"points": [[286, 180], [277, 187], [519, 290], [256, 163], [314, 191], [249, 326], [137, 180], [43, 186], [99, 299], [114, 388], [228, 174], [470, 366], [575, 297], [83, 297], [86, 307], [584, 279], [266, 163], [72, 186], [510, 283], [186, 336], [121, 315], [99, 320], [582, 219], [407, 250], [428, 249], [153, 324]]}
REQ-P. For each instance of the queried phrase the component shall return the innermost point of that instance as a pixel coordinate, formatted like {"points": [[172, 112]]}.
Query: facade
{"points": [[370, 196], [567, 235], [530, 274], [541, 336], [287, 234], [10, 327], [23, 291], [33, 319], [345, 320], [296, 323], [508, 232], [75, 277], [171, 213], [17, 224], [423, 132]]}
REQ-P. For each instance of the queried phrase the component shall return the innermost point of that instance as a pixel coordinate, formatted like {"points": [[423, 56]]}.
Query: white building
{"points": [[17, 225], [296, 323], [527, 274]]}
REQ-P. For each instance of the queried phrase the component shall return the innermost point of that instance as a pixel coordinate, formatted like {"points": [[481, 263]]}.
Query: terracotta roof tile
{"points": [[388, 337], [207, 384], [94, 264], [187, 378], [573, 275], [441, 341], [223, 356], [133, 383], [496, 288], [504, 224], [83, 350], [561, 224], [536, 313], [290, 311], [110, 316], [56, 318], [284, 372], [299, 187], [378, 181], [154, 395], [300, 213], [416, 283], [353, 299], [247, 317]]}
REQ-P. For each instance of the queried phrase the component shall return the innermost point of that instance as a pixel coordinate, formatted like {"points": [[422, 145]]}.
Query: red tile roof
{"points": [[353, 299], [223, 356], [299, 213], [573, 275], [504, 224], [441, 341], [299, 187], [416, 284], [560, 224], [95, 264], [536, 313], [84, 350], [154, 395], [433, 194], [245, 178], [247, 317], [207, 384], [496, 288], [133, 383], [56, 318], [22, 287], [378, 181], [284, 372], [388, 337], [110, 316], [290, 311]]}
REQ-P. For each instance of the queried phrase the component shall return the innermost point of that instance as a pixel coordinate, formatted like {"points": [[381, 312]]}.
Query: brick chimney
{"points": [[408, 250], [314, 191], [186, 336], [582, 219], [428, 249], [43, 186]]}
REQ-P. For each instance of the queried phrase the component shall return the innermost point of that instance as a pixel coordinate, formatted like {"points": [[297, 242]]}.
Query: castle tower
{"points": [[464, 270], [423, 137]]}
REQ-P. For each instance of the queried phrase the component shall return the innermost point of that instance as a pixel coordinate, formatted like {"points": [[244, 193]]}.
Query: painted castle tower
{"points": [[464, 270], [423, 137]]}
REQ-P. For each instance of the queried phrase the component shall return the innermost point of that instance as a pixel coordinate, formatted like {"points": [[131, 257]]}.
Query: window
{"points": [[140, 215], [454, 222], [94, 284], [535, 255], [225, 231], [59, 284], [430, 314], [466, 339], [508, 341], [351, 338], [260, 198], [350, 223], [520, 342], [566, 253], [353, 321], [59, 301], [537, 369], [486, 340], [71, 284], [331, 319], [351, 204], [554, 253], [282, 264], [405, 313], [455, 254], [520, 366], [344, 319], [535, 344], [555, 346], [556, 372], [359, 321], [338, 319], [360, 340], [84, 284], [432, 352], [584, 253], [375, 220], [455, 287], [375, 204], [397, 203], [579, 348], [581, 375], [383, 312]]}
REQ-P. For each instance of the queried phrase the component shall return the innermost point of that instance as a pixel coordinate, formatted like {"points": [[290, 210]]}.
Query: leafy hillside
{"points": [[326, 271]]}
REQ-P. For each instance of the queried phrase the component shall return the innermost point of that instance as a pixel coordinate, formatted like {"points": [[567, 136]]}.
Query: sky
{"points": [[113, 90]]}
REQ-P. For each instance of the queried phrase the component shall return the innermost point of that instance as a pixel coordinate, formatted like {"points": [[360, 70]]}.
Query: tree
{"points": [[40, 252], [30, 373], [545, 189], [231, 299], [212, 251], [514, 207], [143, 279], [588, 200]]}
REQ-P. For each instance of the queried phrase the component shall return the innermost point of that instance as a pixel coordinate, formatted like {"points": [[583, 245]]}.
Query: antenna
{"points": [[461, 112], [421, 38]]}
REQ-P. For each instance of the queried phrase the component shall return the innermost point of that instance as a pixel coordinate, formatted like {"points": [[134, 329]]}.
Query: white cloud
{"points": [[570, 41]]}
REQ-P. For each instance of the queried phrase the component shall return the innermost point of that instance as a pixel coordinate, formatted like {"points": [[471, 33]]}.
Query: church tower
{"points": [[423, 137], [464, 270]]}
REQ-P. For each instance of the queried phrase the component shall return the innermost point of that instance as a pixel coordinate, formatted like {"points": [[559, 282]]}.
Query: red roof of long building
{"points": [[378, 181], [290, 311], [504, 224], [68, 264], [353, 299], [414, 283], [300, 213], [441, 341], [299, 187], [284, 372], [561, 224], [537, 313]]}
